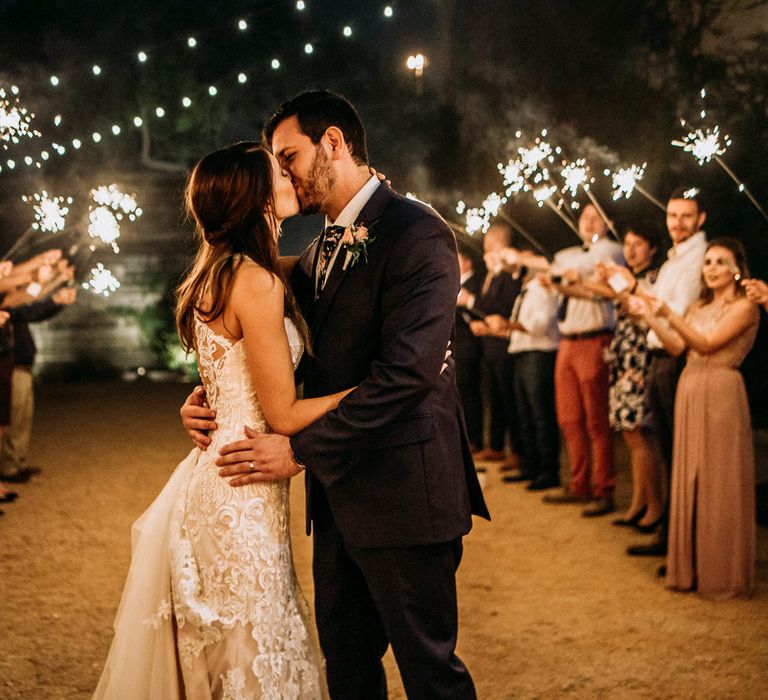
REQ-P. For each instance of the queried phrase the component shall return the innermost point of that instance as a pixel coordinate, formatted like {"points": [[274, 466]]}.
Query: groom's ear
{"points": [[336, 141]]}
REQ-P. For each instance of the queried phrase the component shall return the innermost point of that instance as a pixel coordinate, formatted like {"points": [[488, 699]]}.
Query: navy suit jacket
{"points": [[391, 465]]}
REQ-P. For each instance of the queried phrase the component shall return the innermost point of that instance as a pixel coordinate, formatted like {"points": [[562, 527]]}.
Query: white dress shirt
{"points": [[679, 281], [536, 310], [349, 214], [585, 315]]}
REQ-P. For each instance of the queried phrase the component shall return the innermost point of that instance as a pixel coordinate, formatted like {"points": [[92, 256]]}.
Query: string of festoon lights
{"points": [[143, 56]]}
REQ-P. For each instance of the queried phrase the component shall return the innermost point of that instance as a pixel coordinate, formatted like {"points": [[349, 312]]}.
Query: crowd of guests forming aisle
{"points": [[31, 291], [601, 338]]}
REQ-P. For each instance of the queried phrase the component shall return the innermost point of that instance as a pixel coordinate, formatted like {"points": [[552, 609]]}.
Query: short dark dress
{"points": [[628, 360]]}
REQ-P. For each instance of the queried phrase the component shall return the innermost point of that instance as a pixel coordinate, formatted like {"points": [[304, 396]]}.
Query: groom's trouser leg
{"points": [[351, 634], [414, 589]]}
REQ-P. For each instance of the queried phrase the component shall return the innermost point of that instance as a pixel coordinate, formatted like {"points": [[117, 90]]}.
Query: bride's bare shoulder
{"points": [[255, 286]]}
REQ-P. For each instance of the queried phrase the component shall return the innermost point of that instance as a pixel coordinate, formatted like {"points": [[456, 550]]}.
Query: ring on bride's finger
{"points": [[252, 466]]}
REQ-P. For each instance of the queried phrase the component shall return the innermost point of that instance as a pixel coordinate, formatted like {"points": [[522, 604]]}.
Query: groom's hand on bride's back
{"points": [[260, 457], [197, 418]]}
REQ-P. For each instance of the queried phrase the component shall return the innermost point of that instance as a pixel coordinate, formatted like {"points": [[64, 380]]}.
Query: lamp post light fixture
{"points": [[417, 63]]}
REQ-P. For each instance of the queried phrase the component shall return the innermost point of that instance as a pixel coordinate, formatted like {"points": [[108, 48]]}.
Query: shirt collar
{"points": [[349, 214], [689, 244]]}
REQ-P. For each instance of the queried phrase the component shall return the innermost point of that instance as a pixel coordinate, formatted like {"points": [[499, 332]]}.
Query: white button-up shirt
{"points": [[536, 310], [679, 280], [584, 315]]}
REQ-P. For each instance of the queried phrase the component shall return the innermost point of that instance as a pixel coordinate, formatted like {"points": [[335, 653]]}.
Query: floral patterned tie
{"points": [[331, 237]]}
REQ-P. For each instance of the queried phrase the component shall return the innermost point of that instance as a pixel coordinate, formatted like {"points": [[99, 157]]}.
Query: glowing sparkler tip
{"points": [[102, 281]]}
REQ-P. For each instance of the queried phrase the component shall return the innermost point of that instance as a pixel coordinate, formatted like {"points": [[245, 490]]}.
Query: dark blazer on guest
{"points": [[467, 344], [391, 464], [499, 298]]}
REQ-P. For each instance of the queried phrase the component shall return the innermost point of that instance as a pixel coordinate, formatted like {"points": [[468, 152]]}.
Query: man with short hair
{"points": [[678, 285], [581, 373], [497, 296], [391, 485]]}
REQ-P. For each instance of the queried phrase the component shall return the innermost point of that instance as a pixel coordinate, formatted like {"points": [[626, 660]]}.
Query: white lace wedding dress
{"points": [[211, 607]]}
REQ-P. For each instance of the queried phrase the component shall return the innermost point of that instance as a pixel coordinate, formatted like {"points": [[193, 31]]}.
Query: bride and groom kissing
{"points": [[211, 607]]}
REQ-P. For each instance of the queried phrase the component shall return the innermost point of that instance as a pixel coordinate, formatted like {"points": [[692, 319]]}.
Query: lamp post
{"points": [[417, 63]]}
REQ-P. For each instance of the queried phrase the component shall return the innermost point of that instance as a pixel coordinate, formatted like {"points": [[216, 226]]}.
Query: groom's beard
{"points": [[313, 190]]}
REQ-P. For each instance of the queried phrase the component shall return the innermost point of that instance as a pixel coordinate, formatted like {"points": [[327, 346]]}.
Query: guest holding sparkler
{"points": [[469, 348], [14, 442], [497, 296], [581, 374], [533, 339], [678, 285], [628, 361], [757, 292], [712, 500]]}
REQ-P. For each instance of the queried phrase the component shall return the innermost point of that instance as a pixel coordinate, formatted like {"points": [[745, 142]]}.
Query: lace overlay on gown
{"points": [[212, 589], [242, 621]]}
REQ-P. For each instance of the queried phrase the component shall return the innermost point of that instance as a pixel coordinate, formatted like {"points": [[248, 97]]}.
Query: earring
{"points": [[737, 276]]}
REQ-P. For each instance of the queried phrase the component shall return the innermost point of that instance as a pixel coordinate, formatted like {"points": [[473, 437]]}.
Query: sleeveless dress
{"points": [[712, 496], [211, 607]]}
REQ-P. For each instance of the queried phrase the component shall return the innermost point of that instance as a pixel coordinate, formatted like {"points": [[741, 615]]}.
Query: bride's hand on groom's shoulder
{"points": [[197, 418], [260, 457]]}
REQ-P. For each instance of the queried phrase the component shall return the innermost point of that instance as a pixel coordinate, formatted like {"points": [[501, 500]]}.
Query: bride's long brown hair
{"points": [[229, 195]]}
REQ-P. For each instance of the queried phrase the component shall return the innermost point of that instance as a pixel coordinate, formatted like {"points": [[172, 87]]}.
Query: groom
{"points": [[390, 481]]}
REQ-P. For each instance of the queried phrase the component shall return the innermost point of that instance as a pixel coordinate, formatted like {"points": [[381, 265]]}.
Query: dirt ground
{"points": [[550, 605]]}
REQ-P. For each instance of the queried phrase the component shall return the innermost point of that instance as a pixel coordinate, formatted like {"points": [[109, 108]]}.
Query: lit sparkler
{"points": [[705, 144], [50, 212], [626, 180], [15, 120], [104, 226], [102, 281], [121, 203], [576, 175]]}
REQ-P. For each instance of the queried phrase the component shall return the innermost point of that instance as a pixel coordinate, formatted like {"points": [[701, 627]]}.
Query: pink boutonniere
{"points": [[355, 240]]}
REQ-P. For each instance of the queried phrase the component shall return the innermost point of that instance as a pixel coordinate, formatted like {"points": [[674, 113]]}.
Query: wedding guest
{"points": [[497, 296], [712, 498], [678, 285], [14, 443], [468, 349], [6, 369], [628, 361], [581, 375], [757, 292], [533, 340]]}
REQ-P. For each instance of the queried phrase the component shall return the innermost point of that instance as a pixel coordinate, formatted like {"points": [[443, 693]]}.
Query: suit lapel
{"points": [[371, 213]]}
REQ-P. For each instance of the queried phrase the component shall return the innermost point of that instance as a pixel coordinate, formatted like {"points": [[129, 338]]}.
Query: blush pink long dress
{"points": [[712, 499]]}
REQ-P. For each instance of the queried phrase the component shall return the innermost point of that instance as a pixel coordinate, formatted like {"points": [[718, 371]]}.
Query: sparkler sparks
{"points": [[50, 212], [624, 180], [575, 175], [15, 120], [704, 143], [102, 281], [119, 202], [104, 226]]}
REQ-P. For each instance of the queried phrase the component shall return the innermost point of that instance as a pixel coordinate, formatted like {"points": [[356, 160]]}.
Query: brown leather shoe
{"points": [[565, 496], [600, 506]]}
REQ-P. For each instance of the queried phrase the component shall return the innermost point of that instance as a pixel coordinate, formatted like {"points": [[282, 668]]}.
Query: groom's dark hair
{"points": [[316, 110]]}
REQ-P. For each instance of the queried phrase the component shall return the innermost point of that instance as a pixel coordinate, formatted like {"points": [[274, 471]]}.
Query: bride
{"points": [[211, 606]]}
